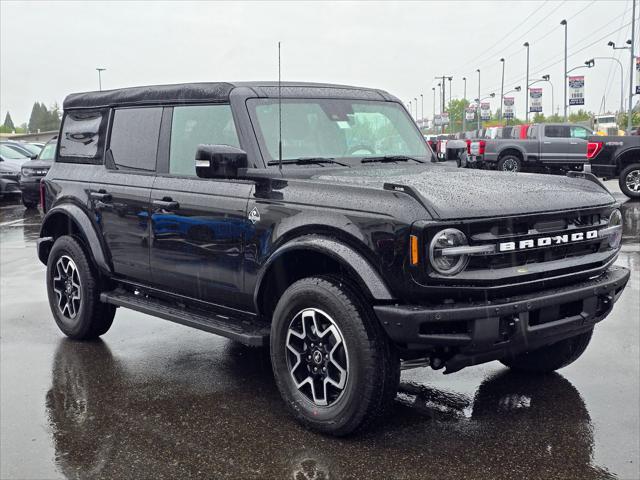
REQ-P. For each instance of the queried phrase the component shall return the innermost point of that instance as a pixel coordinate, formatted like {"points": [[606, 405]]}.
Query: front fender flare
{"points": [[338, 251], [83, 223]]}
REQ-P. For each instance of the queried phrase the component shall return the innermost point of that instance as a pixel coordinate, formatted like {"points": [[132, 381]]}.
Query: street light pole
{"points": [[415, 99], [478, 106], [621, 77], [526, 112], [502, 92], [433, 116], [566, 73], [631, 67], [464, 100], [547, 78], [100, 70]]}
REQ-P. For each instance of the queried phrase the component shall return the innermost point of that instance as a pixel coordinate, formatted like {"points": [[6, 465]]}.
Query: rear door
{"points": [[120, 197], [554, 143], [198, 225], [577, 148]]}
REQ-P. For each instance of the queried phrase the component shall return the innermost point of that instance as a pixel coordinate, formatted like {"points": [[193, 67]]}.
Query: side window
{"points": [[134, 138], [556, 131], [80, 136], [195, 125], [579, 132]]}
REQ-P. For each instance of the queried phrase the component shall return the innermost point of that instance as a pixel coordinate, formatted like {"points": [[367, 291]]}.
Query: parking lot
{"points": [[158, 400]]}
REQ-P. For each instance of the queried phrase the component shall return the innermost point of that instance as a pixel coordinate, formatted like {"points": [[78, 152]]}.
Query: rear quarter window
{"points": [[82, 137]]}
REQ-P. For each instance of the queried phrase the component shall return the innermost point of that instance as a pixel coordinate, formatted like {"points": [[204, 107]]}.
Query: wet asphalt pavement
{"points": [[159, 400]]}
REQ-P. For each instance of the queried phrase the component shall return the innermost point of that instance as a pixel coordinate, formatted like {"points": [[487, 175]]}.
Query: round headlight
{"points": [[615, 220], [442, 261]]}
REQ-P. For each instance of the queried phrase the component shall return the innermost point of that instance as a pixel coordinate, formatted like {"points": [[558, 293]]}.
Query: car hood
{"points": [[10, 166], [453, 193], [38, 164]]}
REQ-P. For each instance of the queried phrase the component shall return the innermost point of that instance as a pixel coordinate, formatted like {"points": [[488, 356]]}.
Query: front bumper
{"points": [[9, 186], [30, 188], [474, 333]]}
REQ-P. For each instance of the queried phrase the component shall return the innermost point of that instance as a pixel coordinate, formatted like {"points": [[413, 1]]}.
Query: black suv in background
{"points": [[313, 222], [33, 171]]}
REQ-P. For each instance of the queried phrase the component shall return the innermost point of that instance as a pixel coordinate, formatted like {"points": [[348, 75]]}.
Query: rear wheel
{"points": [[552, 357], [333, 364], [629, 180], [73, 287], [510, 163]]}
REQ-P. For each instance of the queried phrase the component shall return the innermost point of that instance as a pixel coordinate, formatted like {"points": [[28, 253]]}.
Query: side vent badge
{"points": [[254, 215]]}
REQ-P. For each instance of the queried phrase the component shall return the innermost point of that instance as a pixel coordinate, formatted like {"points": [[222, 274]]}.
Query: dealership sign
{"points": [[485, 111], [469, 113], [535, 100], [508, 107], [445, 118], [576, 90], [437, 120]]}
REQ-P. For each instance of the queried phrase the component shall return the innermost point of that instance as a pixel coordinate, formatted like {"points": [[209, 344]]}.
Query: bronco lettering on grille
{"points": [[547, 241]]}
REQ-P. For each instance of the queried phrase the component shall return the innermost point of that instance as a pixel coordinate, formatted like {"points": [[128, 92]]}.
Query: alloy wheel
{"points": [[510, 165], [317, 356], [632, 180], [66, 285]]}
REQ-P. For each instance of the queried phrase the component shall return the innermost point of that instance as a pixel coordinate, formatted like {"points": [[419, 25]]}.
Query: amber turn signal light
{"points": [[415, 258]]}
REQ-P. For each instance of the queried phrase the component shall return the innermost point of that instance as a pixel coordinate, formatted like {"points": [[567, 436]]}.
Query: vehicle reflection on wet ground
{"points": [[157, 400]]}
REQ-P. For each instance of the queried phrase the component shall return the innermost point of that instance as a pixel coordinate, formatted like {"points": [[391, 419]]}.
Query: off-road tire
{"points": [[552, 357], [29, 205], [373, 364], [510, 160], [622, 180], [93, 318]]}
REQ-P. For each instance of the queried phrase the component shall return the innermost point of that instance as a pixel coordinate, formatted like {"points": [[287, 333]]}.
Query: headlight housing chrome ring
{"points": [[615, 229], [448, 264]]}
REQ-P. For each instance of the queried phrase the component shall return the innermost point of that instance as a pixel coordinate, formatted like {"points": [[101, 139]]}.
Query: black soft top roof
{"points": [[214, 92]]}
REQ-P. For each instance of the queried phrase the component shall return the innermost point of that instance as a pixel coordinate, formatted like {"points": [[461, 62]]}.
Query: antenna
{"points": [[279, 114]]}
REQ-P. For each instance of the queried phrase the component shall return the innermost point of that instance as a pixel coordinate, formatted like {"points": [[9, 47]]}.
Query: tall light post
{"points": [[587, 64], [410, 108], [464, 100], [422, 109], [502, 91], [621, 76], [433, 116], [478, 106], [630, 44], [526, 112], [415, 99], [566, 73], [100, 70]]}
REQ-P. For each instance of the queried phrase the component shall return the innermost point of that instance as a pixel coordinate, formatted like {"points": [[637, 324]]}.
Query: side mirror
{"points": [[33, 157], [219, 161]]}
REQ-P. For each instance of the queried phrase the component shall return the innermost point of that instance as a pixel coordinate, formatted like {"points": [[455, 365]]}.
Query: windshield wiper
{"points": [[306, 161], [390, 158]]}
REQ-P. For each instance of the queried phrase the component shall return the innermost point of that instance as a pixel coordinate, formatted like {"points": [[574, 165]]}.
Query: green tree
{"points": [[8, 122], [580, 116]]}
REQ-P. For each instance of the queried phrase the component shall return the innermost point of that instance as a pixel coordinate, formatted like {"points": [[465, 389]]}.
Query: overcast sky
{"points": [[49, 50]]}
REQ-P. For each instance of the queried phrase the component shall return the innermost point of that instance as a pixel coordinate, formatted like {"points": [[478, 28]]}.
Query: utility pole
{"points": [[478, 106], [422, 109], [526, 113], [632, 66], [443, 92], [566, 78], [433, 116], [502, 92]]}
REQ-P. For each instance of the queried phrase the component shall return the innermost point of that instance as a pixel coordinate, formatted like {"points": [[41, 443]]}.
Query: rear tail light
{"points": [[468, 147], [593, 149], [42, 196], [481, 145]]}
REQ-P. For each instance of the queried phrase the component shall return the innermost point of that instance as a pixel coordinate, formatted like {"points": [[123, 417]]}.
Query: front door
{"points": [[199, 225], [554, 143], [577, 148], [121, 196]]}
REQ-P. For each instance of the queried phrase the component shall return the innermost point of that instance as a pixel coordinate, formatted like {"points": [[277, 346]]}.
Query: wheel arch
{"points": [[70, 219], [315, 255], [627, 157], [512, 150]]}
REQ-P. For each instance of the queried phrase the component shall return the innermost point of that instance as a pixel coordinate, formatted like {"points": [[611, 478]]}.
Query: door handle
{"points": [[547, 143], [166, 204], [100, 195], [573, 143]]}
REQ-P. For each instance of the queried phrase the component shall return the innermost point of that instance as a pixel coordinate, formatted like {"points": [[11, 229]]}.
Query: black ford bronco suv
{"points": [[309, 218]]}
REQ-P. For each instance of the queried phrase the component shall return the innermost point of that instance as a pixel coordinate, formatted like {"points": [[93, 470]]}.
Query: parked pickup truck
{"points": [[615, 156], [341, 249], [548, 147]]}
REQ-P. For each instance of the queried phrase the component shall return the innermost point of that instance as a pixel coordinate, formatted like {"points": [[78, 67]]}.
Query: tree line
{"points": [[42, 119]]}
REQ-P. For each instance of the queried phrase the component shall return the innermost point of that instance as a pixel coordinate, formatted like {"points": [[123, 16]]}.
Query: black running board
{"points": [[250, 333]]}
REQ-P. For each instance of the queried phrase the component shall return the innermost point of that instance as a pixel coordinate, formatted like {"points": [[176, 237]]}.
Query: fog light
{"points": [[615, 228]]}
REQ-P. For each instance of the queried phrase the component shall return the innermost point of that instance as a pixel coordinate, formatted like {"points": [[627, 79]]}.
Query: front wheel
{"points": [[333, 364], [73, 287], [552, 357], [629, 180], [510, 163]]}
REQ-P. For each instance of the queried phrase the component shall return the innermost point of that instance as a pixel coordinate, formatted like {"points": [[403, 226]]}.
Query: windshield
{"points": [[10, 154], [336, 128], [48, 152], [606, 120]]}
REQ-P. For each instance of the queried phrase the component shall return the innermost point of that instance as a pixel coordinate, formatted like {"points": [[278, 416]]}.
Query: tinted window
{"points": [[579, 132], [532, 132], [556, 131], [134, 138], [195, 125], [48, 152], [80, 134]]}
